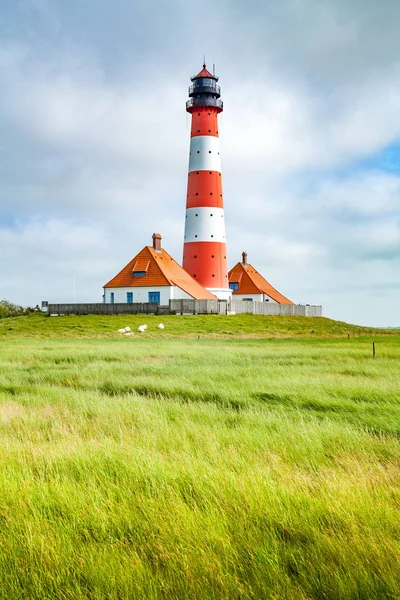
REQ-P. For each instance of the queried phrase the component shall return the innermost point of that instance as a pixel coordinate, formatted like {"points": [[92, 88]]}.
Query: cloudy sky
{"points": [[94, 143]]}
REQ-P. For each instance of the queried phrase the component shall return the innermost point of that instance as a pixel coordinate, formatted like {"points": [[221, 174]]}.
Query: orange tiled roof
{"points": [[251, 282], [161, 269]]}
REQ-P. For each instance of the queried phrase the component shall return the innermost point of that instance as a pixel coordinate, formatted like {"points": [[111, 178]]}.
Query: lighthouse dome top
{"points": [[204, 73]]}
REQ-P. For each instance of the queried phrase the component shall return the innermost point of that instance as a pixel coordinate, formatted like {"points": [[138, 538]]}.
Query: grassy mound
{"points": [[39, 325]]}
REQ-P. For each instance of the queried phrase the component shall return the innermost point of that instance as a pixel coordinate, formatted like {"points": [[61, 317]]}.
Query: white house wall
{"points": [[141, 294], [254, 297], [178, 294]]}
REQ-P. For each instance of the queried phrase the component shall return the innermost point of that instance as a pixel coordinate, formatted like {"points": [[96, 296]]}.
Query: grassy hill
{"points": [[40, 325], [259, 460]]}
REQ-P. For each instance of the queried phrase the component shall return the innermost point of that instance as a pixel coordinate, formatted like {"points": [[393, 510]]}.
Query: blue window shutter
{"points": [[154, 297]]}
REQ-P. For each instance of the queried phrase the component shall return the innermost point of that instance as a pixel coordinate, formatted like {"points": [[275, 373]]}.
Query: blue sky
{"points": [[94, 143]]}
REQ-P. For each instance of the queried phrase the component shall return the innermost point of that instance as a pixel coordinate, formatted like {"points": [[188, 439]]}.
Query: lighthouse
{"points": [[204, 249]]}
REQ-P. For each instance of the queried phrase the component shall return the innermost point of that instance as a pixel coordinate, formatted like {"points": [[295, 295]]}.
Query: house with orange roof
{"points": [[246, 283], [153, 276]]}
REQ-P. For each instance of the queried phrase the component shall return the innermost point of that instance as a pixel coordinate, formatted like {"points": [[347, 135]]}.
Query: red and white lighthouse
{"points": [[204, 250]]}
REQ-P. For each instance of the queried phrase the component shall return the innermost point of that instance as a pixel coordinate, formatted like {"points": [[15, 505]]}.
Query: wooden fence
{"points": [[194, 307], [269, 308], [188, 307], [137, 308]]}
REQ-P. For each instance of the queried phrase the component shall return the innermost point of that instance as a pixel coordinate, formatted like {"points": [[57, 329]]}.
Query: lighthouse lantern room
{"points": [[204, 250]]}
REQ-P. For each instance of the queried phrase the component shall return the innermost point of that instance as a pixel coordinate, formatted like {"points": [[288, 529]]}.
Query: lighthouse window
{"points": [[204, 82], [198, 131], [234, 286], [195, 256], [212, 255], [209, 152], [198, 151], [210, 172], [209, 131], [212, 236], [195, 235], [211, 215], [197, 193], [210, 193], [197, 215], [213, 275]]}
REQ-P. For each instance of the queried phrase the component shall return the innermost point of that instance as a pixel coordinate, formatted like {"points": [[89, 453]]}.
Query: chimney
{"points": [[157, 242], [244, 258]]}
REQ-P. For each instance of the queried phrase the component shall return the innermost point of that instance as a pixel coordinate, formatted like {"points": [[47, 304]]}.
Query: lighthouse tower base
{"points": [[221, 293]]}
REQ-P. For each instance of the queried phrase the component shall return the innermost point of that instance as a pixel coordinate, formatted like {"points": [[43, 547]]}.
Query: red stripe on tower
{"points": [[204, 249]]}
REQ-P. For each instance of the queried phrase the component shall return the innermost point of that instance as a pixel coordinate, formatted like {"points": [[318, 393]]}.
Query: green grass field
{"points": [[222, 458]]}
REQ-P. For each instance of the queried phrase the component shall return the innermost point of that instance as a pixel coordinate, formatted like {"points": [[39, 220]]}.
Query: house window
{"points": [[129, 297], [154, 297], [112, 298], [139, 273], [248, 299], [234, 286]]}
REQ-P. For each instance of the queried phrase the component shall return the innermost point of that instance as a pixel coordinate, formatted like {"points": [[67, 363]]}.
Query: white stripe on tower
{"points": [[204, 154], [205, 224]]}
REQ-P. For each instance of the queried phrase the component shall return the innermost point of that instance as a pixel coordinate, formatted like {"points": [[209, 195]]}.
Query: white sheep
{"points": [[160, 326], [127, 329], [141, 329], [121, 330], [129, 334], [145, 326]]}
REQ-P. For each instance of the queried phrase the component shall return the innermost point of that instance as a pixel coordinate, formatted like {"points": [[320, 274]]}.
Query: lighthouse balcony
{"points": [[204, 101], [205, 87]]}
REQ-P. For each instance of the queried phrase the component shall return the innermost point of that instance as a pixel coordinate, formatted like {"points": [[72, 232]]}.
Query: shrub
{"points": [[8, 309]]}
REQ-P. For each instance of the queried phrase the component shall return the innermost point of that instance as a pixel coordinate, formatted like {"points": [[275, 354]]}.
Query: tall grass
{"points": [[199, 468]]}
